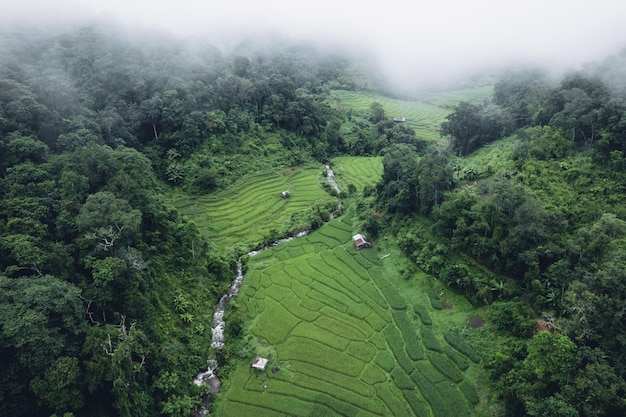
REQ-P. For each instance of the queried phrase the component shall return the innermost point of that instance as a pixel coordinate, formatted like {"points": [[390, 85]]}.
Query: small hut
{"points": [[360, 242], [285, 194], [259, 363]]}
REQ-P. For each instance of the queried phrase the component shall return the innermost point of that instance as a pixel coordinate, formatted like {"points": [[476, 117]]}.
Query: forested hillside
{"points": [[108, 291], [530, 185]]}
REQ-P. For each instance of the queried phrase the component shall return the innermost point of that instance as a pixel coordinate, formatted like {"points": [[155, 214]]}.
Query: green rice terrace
{"points": [[247, 211], [360, 172], [345, 335], [423, 116]]}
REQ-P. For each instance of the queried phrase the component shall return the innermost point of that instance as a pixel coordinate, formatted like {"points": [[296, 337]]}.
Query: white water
{"points": [[218, 325], [204, 377], [330, 176]]}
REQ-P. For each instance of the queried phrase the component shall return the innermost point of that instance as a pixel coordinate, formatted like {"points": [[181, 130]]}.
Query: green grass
{"points": [[445, 367], [347, 344], [395, 404], [359, 171], [341, 324], [245, 213], [430, 341], [423, 116], [457, 342], [422, 313], [470, 393]]}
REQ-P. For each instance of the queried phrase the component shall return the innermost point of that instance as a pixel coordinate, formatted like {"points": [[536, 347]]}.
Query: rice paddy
{"points": [[422, 116], [245, 213], [359, 171], [345, 335]]}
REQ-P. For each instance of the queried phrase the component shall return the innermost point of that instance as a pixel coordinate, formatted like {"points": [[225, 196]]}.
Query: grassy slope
{"points": [[423, 116], [341, 327], [246, 212], [348, 334], [358, 171], [570, 185]]}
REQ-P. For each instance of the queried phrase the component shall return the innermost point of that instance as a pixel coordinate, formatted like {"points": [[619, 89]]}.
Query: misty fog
{"points": [[414, 44]]}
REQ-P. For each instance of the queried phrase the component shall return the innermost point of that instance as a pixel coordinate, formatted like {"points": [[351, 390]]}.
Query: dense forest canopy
{"points": [[108, 290], [102, 279], [543, 210]]}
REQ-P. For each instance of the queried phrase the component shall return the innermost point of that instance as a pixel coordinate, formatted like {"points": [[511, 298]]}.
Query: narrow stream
{"points": [[330, 176], [217, 339]]}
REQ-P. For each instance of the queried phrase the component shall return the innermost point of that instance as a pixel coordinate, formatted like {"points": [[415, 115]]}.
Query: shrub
{"points": [[512, 317]]}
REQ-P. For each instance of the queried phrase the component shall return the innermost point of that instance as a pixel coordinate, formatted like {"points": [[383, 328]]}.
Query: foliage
{"points": [[513, 317], [358, 329], [536, 220], [108, 290], [409, 185], [456, 341], [472, 126]]}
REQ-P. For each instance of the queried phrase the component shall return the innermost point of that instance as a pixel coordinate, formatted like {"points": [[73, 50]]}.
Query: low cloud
{"points": [[414, 44]]}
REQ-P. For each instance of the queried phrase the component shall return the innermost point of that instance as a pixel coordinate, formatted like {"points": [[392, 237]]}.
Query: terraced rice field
{"points": [[346, 336], [422, 116], [451, 98], [246, 212], [360, 171]]}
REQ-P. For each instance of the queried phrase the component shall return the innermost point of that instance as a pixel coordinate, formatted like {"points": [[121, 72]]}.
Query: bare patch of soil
{"points": [[476, 321], [543, 326]]}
